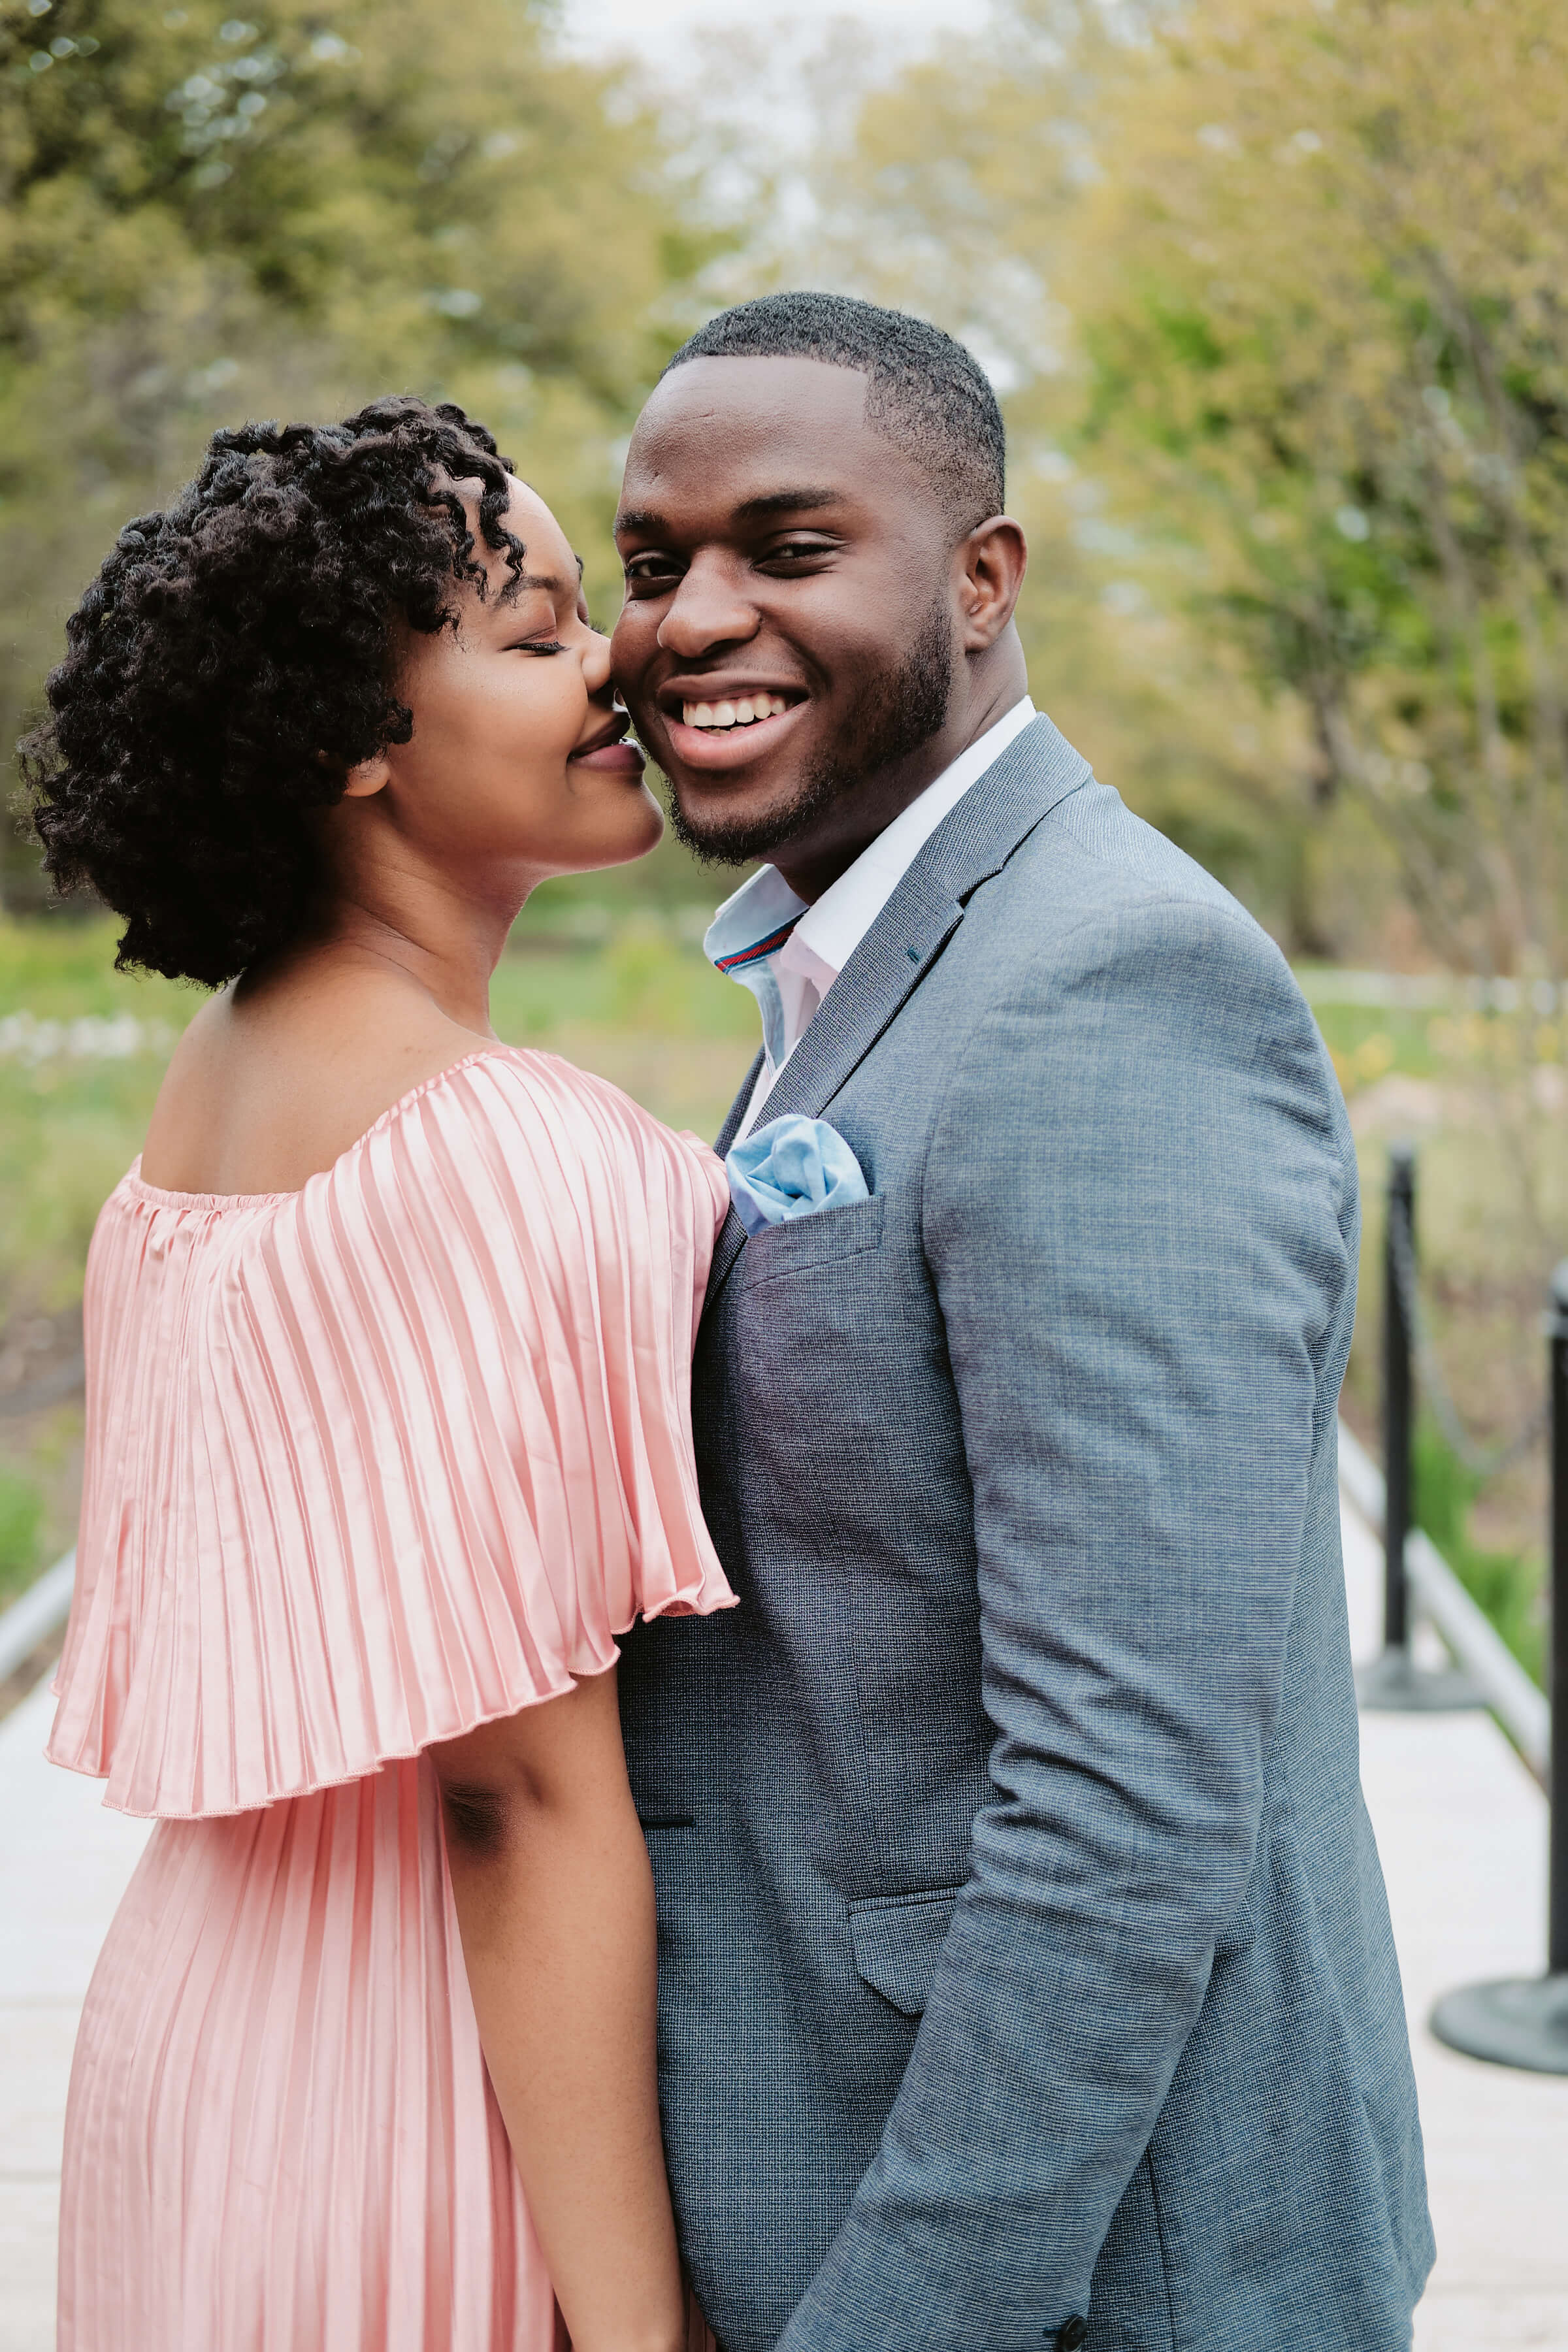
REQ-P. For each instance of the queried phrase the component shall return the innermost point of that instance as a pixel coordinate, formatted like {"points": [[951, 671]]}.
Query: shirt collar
{"points": [[743, 942], [752, 926], [753, 923], [834, 928]]}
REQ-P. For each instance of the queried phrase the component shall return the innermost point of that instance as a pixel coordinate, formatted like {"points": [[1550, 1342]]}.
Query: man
{"points": [[1025, 1972]]}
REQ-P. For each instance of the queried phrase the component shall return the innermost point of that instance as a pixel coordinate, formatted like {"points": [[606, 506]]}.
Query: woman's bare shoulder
{"points": [[268, 1087]]}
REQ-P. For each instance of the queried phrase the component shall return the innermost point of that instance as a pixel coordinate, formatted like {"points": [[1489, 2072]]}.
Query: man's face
{"points": [[789, 633]]}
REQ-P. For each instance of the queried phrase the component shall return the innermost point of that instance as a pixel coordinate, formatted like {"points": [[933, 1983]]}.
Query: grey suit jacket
{"points": [[1023, 1949]]}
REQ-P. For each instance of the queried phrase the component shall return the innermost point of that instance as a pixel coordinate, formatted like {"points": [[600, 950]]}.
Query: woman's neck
{"points": [[444, 932], [450, 960], [395, 906]]}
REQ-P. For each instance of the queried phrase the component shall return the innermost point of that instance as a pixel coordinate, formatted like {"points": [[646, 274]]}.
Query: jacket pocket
{"points": [[802, 1243], [898, 1940]]}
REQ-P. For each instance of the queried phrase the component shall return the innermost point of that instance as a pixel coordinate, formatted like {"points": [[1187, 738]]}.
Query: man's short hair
{"points": [[925, 393]]}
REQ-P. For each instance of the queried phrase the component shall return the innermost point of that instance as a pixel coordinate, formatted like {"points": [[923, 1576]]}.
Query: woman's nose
{"points": [[596, 664]]}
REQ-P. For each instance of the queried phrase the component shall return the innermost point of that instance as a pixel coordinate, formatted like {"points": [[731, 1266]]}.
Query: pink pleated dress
{"points": [[368, 1465]]}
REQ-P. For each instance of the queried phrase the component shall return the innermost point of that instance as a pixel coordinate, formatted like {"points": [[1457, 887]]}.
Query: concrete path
{"points": [[64, 1862], [1461, 1828]]}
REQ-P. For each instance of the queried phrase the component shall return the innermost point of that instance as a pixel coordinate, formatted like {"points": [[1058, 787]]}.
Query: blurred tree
{"points": [[205, 216], [1274, 291], [1321, 304]]}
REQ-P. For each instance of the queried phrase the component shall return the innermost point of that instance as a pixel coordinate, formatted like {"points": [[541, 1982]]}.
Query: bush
{"points": [[1506, 1584], [21, 1519]]}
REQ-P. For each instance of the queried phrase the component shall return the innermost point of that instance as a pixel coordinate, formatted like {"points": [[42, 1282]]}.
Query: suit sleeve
{"points": [[1140, 1217]]}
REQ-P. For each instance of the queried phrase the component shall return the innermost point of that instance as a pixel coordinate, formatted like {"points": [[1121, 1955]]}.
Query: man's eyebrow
{"points": [[646, 522], [786, 502]]}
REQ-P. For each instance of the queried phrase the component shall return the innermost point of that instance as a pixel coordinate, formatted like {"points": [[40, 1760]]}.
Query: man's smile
{"points": [[715, 747], [716, 723], [744, 711]]}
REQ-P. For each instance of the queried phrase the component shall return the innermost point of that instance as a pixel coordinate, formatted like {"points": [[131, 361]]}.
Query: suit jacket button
{"points": [[1071, 2333]]}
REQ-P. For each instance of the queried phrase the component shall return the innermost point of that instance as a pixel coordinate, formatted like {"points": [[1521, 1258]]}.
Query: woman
{"points": [[389, 1336]]}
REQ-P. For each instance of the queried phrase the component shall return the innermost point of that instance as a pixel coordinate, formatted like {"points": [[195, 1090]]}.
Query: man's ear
{"points": [[992, 560]]}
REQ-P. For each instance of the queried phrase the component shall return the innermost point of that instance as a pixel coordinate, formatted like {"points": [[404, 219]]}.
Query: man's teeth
{"points": [[742, 712]]}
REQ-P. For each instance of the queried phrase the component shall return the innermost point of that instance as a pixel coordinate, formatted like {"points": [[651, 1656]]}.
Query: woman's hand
{"points": [[554, 1899]]}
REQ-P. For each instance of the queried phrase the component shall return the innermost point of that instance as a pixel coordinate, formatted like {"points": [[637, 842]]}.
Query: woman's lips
{"points": [[715, 750], [624, 757]]}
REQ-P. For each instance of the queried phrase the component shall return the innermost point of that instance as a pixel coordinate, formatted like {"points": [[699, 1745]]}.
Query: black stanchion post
{"points": [[1557, 1647], [1397, 1397], [1523, 2020], [1393, 1682]]}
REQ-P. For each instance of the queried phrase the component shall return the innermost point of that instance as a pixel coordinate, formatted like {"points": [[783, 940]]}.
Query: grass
{"points": [[70, 1124], [620, 988], [21, 1533], [1506, 1584]]}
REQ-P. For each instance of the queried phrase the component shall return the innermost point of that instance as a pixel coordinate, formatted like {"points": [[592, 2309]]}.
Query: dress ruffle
{"points": [[383, 1459]]}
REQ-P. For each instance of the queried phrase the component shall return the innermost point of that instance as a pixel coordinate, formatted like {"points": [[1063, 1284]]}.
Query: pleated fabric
{"points": [[280, 2135], [368, 1465], [372, 1462]]}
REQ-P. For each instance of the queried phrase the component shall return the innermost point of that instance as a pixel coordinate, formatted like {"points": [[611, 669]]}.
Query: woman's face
{"points": [[518, 766]]}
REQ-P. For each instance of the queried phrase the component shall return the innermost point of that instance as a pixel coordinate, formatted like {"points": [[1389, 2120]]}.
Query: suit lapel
{"points": [[732, 1233], [738, 1107], [1037, 769]]}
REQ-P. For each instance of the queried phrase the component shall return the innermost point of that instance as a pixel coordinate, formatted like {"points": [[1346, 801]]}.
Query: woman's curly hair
{"points": [[236, 657]]}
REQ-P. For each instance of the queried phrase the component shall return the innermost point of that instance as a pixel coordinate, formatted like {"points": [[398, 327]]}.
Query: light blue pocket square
{"points": [[792, 1168]]}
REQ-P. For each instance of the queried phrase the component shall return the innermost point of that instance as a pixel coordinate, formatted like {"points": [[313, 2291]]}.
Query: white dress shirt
{"points": [[789, 953]]}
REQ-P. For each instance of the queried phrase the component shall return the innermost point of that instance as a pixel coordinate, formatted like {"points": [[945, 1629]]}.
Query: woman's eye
{"points": [[543, 646]]}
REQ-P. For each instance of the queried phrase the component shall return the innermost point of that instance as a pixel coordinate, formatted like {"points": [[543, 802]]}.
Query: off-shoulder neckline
{"points": [[210, 1203]]}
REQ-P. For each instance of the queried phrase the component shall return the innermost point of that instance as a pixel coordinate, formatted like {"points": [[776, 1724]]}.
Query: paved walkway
{"points": [[63, 1862], [1461, 1827]]}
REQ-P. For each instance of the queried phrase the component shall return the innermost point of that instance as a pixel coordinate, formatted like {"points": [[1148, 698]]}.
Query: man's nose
{"points": [[707, 610]]}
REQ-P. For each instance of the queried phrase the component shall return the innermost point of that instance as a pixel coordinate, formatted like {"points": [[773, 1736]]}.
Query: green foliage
{"points": [[205, 217], [1319, 298], [21, 1522], [61, 969], [1506, 1584], [1277, 292]]}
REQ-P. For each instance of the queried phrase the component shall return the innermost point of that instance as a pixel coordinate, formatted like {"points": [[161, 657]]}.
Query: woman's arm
{"points": [[554, 1899]]}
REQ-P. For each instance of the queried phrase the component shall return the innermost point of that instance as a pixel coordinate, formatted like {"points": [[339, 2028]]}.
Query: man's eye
{"points": [[650, 570], [797, 550]]}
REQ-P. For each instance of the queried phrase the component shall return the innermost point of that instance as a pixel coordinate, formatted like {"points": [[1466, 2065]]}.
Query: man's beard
{"points": [[898, 712]]}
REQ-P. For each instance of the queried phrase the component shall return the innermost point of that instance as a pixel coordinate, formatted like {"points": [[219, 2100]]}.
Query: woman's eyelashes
{"points": [[541, 645]]}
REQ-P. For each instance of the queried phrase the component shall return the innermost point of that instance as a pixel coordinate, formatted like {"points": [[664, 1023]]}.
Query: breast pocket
{"points": [[829, 1333], [898, 1940], [803, 1243]]}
